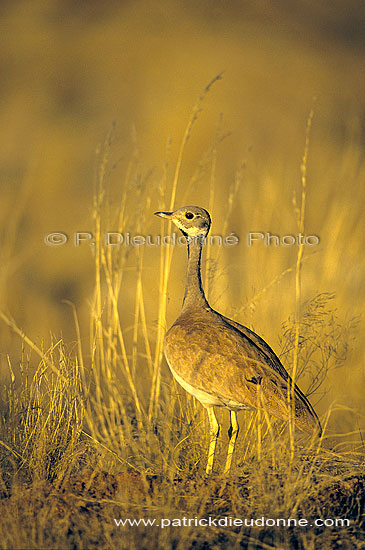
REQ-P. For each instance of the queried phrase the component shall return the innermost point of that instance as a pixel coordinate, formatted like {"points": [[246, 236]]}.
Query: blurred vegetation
{"points": [[74, 72], [71, 68]]}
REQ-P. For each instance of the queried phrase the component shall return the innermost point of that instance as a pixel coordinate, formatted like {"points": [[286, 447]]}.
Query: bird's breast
{"points": [[201, 359]]}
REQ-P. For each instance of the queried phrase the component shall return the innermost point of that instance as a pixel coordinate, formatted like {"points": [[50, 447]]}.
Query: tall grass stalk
{"points": [[298, 282], [166, 256]]}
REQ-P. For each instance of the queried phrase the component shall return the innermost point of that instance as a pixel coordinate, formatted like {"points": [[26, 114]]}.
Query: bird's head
{"points": [[193, 221]]}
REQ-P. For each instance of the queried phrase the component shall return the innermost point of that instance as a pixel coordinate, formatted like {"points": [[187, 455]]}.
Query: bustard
{"points": [[219, 361]]}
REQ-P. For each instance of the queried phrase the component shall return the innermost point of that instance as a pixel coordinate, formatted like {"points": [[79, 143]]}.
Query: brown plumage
{"points": [[221, 362]]}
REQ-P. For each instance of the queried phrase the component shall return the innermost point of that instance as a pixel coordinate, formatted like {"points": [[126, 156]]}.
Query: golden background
{"points": [[71, 69]]}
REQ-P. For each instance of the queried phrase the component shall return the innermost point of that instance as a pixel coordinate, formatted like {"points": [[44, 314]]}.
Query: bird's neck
{"points": [[194, 293]]}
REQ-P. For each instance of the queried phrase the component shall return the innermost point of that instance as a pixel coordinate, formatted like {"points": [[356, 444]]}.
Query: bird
{"points": [[221, 362]]}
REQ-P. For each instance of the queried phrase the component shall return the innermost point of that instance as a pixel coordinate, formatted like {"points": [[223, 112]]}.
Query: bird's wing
{"points": [[261, 344], [273, 360]]}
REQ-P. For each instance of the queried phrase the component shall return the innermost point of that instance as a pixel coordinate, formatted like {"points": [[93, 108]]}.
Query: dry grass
{"points": [[103, 433], [92, 425]]}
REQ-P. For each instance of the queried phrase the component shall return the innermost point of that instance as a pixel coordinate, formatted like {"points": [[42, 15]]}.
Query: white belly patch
{"points": [[207, 399]]}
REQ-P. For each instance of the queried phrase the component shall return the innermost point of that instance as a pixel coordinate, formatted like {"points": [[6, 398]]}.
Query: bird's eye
{"points": [[189, 215]]}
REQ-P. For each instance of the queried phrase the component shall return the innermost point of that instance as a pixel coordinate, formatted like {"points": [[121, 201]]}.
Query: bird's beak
{"points": [[164, 214]]}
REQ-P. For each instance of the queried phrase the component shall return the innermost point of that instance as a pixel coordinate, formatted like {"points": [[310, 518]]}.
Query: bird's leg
{"points": [[214, 432], [232, 434]]}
